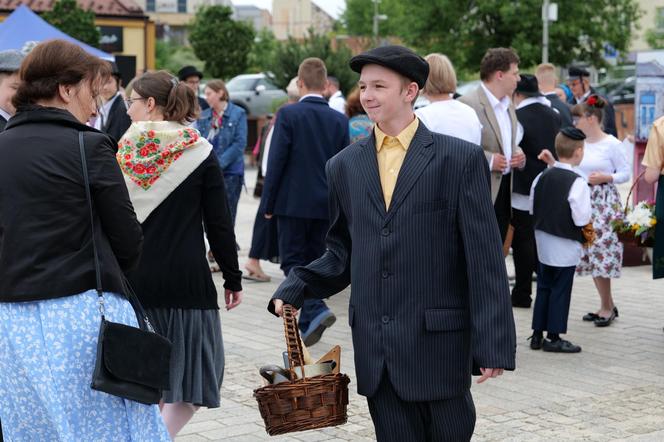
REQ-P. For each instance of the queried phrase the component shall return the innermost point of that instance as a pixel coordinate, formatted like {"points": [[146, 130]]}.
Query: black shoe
{"points": [[560, 346], [605, 322], [521, 302], [594, 316], [536, 342]]}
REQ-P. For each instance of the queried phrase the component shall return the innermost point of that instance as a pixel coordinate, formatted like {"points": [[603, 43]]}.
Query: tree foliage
{"points": [[465, 29], [262, 52], [173, 57], [222, 43], [74, 21], [290, 53], [655, 38]]}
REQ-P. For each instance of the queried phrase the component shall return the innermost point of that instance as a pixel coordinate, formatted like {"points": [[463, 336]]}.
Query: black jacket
{"points": [[45, 239], [429, 291], [173, 271], [540, 127], [563, 109], [117, 121], [3, 123]]}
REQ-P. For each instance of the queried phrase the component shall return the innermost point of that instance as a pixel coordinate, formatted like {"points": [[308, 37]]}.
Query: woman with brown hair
{"points": [[604, 165], [359, 124], [177, 188], [49, 309], [224, 124]]}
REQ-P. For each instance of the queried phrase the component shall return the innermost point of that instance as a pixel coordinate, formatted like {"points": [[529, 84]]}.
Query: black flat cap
{"points": [[189, 71], [575, 72], [573, 133], [398, 58], [528, 86]]}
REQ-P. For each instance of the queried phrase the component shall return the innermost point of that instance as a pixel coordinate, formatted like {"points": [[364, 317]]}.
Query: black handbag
{"points": [[132, 363]]}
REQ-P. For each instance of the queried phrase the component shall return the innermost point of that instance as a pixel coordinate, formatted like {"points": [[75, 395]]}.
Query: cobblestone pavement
{"points": [[613, 390]]}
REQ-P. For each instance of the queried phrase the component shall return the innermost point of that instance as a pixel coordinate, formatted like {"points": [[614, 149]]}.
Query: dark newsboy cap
{"points": [[189, 71], [398, 58], [528, 86], [573, 133], [576, 72]]}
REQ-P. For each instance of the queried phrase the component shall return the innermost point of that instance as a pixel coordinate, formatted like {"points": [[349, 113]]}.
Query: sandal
{"points": [[254, 276], [594, 316]]}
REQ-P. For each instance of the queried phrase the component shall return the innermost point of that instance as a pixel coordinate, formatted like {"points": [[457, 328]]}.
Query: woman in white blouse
{"points": [[604, 165], [445, 115]]}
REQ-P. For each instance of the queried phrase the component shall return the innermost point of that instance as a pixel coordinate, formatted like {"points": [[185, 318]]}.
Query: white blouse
{"points": [[605, 156], [451, 117]]}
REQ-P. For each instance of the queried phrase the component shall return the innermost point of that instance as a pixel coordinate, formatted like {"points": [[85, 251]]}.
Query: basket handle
{"points": [[293, 342], [631, 189]]}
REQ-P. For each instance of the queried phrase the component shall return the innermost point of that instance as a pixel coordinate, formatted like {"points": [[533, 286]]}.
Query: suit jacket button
{"points": [[385, 319], [385, 274], [385, 231]]}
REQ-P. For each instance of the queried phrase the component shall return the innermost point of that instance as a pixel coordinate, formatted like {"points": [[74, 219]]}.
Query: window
{"points": [[150, 5], [182, 5], [659, 19], [268, 86]]}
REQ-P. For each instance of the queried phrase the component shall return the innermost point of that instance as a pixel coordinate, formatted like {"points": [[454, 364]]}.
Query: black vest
{"points": [[540, 127], [551, 210]]}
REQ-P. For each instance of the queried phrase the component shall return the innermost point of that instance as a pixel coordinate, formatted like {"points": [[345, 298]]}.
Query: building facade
{"points": [[294, 18], [652, 19]]}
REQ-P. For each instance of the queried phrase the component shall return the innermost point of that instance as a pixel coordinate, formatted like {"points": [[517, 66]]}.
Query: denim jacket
{"points": [[231, 139]]}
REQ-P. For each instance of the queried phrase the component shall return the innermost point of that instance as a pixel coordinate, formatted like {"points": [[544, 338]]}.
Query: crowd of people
{"points": [[362, 189]]}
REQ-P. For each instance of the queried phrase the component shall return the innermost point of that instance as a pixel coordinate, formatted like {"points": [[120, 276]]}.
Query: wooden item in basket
{"points": [[302, 404]]}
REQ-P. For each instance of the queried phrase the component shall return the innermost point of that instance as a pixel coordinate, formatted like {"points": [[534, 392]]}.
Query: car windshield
{"points": [[241, 84]]}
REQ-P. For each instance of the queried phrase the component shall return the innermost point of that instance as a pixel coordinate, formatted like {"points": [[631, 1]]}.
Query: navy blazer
{"points": [[306, 135], [429, 289]]}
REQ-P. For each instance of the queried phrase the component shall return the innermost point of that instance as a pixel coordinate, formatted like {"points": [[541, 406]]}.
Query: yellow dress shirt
{"points": [[391, 152], [654, 155]]}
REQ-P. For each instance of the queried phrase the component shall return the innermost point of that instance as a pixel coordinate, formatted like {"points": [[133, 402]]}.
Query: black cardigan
{"points": [[173, 271], [45, 240]]}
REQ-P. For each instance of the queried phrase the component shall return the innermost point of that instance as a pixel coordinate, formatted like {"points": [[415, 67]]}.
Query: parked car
{"points": [[467, 86], [255, 93]]}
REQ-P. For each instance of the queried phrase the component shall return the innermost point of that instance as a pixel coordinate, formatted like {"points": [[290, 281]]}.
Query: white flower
{"points": [[639, 215]]}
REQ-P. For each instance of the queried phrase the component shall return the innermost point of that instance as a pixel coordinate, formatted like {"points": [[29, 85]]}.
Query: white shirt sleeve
{"points": [[532, 193], [266, 151], [579, 202], [476, 133], [620, 164]]}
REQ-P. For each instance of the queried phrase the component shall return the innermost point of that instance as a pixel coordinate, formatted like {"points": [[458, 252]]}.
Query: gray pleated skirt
{"points": [[197, 358]]}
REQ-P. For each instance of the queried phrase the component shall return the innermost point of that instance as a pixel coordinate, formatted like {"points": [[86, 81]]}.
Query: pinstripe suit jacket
{"points": [[429, 293]]}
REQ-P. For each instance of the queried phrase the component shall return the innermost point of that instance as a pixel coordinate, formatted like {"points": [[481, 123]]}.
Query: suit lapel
{"points": [[514, 121], [369, 169], [490, 116], [417, 158]]}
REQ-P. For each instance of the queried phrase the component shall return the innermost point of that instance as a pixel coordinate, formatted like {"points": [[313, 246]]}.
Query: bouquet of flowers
{"points": [[637, 224]]}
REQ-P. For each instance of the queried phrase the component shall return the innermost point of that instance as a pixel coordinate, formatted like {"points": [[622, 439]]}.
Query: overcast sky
{"points": [[332, 7]]}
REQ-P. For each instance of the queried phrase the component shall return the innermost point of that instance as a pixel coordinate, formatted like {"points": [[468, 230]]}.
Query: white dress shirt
{"points": [[563, 252], [501, 111], [338, 102], [5, 114], [451, 117], [605, 156], [102, 116]]}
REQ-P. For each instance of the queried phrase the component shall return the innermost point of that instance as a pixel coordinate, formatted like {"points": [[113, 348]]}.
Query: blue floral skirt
{"points": [[47, 355]]}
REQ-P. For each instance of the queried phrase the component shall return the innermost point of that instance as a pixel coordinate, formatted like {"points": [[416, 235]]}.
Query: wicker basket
{"points": [[628, 237], [302, 404]]}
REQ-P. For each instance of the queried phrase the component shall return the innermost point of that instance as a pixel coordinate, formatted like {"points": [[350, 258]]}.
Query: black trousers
{"points": [[554, 292], [396, 420], [503, 205], [524, 252]]}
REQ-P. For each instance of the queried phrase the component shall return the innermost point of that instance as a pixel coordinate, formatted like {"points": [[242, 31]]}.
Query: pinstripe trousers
{"points": [[396, 420]]}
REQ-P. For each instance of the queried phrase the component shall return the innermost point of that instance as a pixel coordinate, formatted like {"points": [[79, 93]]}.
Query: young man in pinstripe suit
{"points": [[413, 231]]}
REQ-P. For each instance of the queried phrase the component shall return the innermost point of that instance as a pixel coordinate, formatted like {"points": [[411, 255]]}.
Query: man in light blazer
{"points": [[499, 72], [412, 232]]}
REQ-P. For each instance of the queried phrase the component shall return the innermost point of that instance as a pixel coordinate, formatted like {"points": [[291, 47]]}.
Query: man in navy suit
{"points": [[414, 233], [306, 135]]}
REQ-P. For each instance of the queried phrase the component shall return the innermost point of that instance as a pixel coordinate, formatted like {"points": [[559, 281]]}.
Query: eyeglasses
{"points": [[130, 101]]}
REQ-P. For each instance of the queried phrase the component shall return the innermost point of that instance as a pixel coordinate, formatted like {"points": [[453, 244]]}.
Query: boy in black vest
{"points": [[560, 204]]}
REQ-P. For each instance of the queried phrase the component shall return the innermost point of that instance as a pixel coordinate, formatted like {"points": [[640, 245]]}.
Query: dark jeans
{"points": [[233, 189], [554, 291], [302, 240], [503, 205], [396, 420], [524, 252]]}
